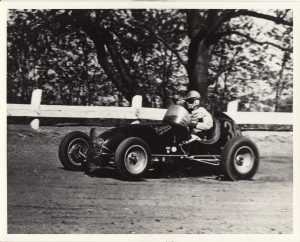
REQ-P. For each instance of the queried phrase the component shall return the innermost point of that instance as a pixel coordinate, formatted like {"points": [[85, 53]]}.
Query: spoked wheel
{"points": [[240, 159], [132, 158], [73, 149]]}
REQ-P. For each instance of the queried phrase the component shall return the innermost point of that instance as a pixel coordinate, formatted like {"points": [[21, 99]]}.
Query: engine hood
{"points": [[156, 135]]}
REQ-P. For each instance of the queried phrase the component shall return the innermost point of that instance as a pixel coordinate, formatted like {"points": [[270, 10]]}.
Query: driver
{"points": [[201, 119]]}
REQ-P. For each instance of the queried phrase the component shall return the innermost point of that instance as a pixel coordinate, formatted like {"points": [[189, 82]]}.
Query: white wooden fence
{"points": [[136, 111]]}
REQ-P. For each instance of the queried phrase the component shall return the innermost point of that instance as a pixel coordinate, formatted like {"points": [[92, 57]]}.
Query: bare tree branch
{"points": [[249, 38], [284, 14], [229, 14], [118, 60], [220, 71], [275, 19]]}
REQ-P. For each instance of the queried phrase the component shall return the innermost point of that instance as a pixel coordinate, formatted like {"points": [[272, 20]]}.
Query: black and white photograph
{"points": [[149, 119]]}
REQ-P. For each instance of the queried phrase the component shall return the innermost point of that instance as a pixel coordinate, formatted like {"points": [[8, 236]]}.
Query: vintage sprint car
{"points": [[135, 148]]}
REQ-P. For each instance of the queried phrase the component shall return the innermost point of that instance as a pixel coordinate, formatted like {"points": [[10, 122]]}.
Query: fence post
{"points": [[36, 98], [136, 104], [232, 107]]}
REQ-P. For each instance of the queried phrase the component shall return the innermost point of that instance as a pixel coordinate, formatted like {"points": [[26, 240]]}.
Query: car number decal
{"points": [[228, 126]]}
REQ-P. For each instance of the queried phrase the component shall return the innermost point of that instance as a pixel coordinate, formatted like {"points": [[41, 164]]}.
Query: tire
{"points": [[71, 148], [132, 158], [239, 159]]}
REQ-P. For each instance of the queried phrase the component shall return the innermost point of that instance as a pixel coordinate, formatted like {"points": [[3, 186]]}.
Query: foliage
{"points": [[104, 57]]}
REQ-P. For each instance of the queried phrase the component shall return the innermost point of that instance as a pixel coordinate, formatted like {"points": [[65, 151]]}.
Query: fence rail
{"points": [[136, 111]]}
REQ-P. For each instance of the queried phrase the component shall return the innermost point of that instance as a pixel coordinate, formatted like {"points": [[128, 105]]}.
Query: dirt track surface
{"points": [[45, 198]]}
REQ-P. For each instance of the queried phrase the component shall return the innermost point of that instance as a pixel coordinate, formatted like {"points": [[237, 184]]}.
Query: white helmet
{"points": [[193, 94], [192, 99]]}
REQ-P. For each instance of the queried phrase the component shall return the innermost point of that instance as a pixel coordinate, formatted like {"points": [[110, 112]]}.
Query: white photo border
{"points": [[80, 4]]}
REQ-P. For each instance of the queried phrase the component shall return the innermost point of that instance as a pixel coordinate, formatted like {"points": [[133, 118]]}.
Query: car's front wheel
{"points": [[132, 158], [72, 150], [239, 159]]}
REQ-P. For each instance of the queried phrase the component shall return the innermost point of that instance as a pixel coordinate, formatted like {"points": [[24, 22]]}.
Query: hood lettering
{"points": [[162, 129]]}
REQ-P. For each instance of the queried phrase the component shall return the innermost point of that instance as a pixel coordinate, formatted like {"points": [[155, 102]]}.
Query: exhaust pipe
{"points": [[214, 160]]}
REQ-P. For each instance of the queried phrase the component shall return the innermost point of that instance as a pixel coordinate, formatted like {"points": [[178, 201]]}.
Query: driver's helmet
{"points": [[192, 95], [192, 99]]}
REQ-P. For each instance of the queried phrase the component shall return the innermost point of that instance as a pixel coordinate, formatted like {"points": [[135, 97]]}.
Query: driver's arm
{"points": [[202, 119]]}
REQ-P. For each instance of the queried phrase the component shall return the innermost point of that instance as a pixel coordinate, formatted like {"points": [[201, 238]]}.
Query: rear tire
{"points": [[132, 158], [71, 148], [239, 159]]}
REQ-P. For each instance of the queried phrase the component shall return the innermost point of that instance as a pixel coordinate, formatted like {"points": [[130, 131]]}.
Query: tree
{"points": [[148, 52], [122, 38], [206, 29]]}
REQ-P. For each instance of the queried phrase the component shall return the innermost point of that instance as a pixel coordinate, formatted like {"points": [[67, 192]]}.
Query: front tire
{"points": [[132, 158], [239, 159], [73, 149]]}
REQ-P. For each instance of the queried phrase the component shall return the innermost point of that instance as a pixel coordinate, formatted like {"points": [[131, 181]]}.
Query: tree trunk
{"points": [[198, 71], [115, 69], [279, 82], [200, 50], [199, 58]]}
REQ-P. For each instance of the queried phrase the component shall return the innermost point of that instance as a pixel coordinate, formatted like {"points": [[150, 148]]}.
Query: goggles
{"points": [[190, 100]]}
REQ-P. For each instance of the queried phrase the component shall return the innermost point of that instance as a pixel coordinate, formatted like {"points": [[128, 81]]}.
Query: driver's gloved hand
{"points": [[195, 137], [192, 139]]}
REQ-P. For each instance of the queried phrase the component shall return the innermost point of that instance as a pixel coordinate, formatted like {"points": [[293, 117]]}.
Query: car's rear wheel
{"points": [[133, 158], [239, 159], [73, 149]]}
